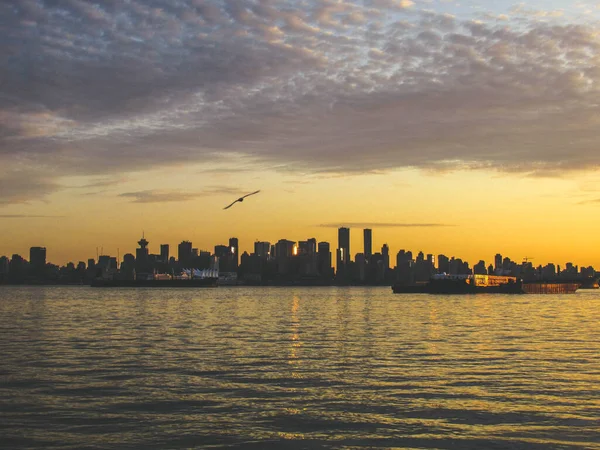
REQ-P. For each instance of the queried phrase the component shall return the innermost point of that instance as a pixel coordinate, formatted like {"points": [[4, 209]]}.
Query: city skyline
{"points": [[454, 127], [364, 241]]}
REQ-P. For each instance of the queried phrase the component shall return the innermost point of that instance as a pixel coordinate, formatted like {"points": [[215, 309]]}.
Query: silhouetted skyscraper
{"points": [[234, 252], [385, 253], [164, 253], [343, 253], [443, 264], [498, 261], [284, 249], [221, 251], [324, 259], [184, 253], [368, 238], [262, 249], [37, 259]]}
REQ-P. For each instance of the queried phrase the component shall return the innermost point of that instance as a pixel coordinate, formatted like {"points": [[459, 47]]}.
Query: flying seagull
{"points": [[241, 199]]}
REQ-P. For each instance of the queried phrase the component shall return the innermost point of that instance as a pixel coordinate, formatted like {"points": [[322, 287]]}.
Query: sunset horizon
{"points": [[119, 118]]}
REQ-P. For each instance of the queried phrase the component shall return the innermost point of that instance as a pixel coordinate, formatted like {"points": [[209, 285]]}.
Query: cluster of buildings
{"points": [[285, 262]]}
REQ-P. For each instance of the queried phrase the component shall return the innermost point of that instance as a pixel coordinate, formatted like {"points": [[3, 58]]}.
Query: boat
{"points": [[488, 284]]}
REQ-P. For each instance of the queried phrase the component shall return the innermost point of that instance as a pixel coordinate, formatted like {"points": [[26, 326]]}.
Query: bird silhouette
{"points": [[241, 199]]}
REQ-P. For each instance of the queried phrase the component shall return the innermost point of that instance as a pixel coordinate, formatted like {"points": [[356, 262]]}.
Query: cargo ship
{"points": [[487, 284]]}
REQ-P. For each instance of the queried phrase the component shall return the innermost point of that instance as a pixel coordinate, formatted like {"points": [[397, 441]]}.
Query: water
{"points": [[296, 368]]}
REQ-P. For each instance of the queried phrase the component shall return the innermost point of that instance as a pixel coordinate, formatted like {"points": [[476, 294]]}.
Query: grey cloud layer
{"points": [[109, 86], [383, 225], [162, 196]]}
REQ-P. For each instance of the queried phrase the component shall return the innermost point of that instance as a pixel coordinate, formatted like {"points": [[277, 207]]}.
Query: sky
{"points": [[459, 127]]}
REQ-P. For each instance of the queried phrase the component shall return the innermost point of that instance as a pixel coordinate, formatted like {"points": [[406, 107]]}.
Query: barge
{"points": [[487, 284]]}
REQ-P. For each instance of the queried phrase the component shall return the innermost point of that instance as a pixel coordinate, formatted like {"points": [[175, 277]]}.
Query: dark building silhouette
{"points": [[284, 248], [284, 251], [343, 250], [227, 256], [128, 266], [107, 263], [234, 253], [479, 268], [443, 264], [17, 269], [368, 241], [498, 262], [4, 263], [164, 253], [385, 253], [262, 249], [324, 258], [184, 253], [302, 247], [142, 263], [37, 260], [221, 251]]}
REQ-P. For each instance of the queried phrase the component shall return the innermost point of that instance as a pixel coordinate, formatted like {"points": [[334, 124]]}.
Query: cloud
{"points": [[382, 225], [163, 196], [106, 88], [27, 216], [25, 186]]}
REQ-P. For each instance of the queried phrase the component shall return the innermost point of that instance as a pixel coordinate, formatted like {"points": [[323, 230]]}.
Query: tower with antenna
{"points": [[141, 256]]}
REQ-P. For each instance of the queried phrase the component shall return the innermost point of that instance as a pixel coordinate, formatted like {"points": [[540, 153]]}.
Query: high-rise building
{"points": [[262, 249], [498, 262], [164, 253], [37, 259], [234, 252], [324, 258], [284, 249], [221, 251], [443, 264], [343, 252], [4, 261], [368, 239], [385, 253], [184, 253], [302, 247]]}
